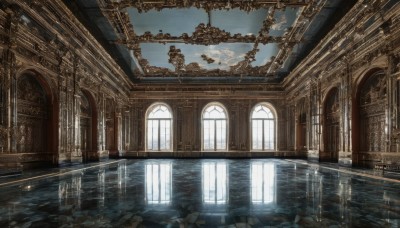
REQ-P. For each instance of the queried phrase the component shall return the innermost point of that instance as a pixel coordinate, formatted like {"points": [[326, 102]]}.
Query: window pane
{"points": [[206, 135], [209, 134], [149, 134], [214, 128], [214, 112], [152, 134], [257, 134], [160, 112], [159, 128], [221, 134], [261, 112], [165, 133], [155, 134], [269, 135], [263, 128]]}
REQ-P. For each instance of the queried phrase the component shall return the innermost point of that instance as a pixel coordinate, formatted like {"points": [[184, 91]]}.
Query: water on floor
{"points": [[202, 193]]}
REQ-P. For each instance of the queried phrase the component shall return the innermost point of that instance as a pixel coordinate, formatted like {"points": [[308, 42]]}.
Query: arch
{"points": [[263, 119], [214, 127], [88, 126], [159, 132], [35, 115], [368, 115], [331, 127]]}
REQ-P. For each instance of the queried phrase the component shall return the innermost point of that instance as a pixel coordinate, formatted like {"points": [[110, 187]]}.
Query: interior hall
{"points": [[199, 113]]}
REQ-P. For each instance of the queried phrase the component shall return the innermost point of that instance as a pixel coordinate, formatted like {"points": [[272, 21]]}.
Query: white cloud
{"points": [[280, 23]]}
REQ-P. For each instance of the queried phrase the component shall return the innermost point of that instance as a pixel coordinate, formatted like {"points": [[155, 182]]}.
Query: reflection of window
{"points": [[158, 183], [262, 183], [214, 127], [215, 182], [159, 128], [263, 128]]}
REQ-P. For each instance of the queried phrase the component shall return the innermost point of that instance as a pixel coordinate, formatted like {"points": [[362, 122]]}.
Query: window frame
{"points": [[226, 127], [275, 130], [148, 111]]}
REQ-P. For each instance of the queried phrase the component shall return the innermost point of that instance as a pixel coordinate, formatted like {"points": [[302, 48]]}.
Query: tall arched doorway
{"points": [[33, 117], [88, 129], [331, 127], [371, 99]]}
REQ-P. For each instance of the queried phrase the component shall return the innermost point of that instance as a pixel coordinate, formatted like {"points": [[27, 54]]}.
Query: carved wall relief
{"points": [[3, 128], [86, 124], [32, 116], [372, 101], [110, 128], [331, 127]]}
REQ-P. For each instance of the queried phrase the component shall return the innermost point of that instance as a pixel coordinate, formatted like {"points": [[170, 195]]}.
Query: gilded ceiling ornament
{"points": [[206, 34], [176, 58], [207, 59]]}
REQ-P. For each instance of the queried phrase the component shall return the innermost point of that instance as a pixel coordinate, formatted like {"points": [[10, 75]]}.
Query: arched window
{"points": [[215, 126], [159, 128], [263, 128]]}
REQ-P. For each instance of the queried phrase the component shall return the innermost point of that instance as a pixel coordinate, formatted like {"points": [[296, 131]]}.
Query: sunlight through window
{"points": [[214, 128], [159, 128], [263, 128]]}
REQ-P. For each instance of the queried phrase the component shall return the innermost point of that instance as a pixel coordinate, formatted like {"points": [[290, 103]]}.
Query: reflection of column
{"points": [[121, 180], [118, 132], [314, 192], [345, 196], [263, 186], [158, 185], [101, 178], [69, 191], [215, 182]]}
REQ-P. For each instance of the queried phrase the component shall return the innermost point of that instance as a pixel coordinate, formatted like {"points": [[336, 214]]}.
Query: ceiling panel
{"points": [[172, 21], [265, 53], [283, 20], [236, 21], [198, 39]]}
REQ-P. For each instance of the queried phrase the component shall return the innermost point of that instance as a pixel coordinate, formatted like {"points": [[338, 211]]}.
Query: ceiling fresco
{"points": [[209, 39]]}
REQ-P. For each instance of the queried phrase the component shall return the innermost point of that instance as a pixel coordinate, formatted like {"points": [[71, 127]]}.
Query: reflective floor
{"points": [[202, 193]]}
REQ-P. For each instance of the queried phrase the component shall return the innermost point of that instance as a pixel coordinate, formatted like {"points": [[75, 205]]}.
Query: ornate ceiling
{"points": [[256, 40]]}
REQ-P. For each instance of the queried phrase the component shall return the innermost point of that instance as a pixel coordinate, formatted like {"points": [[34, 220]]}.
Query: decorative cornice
{"points": [[208, 5]]}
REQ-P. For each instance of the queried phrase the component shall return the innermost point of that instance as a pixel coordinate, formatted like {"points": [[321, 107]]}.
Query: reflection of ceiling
{"points": [[260, 39]]}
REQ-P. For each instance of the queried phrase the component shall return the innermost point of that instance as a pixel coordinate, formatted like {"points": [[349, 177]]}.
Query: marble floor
{"points": [[200, 193]]}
